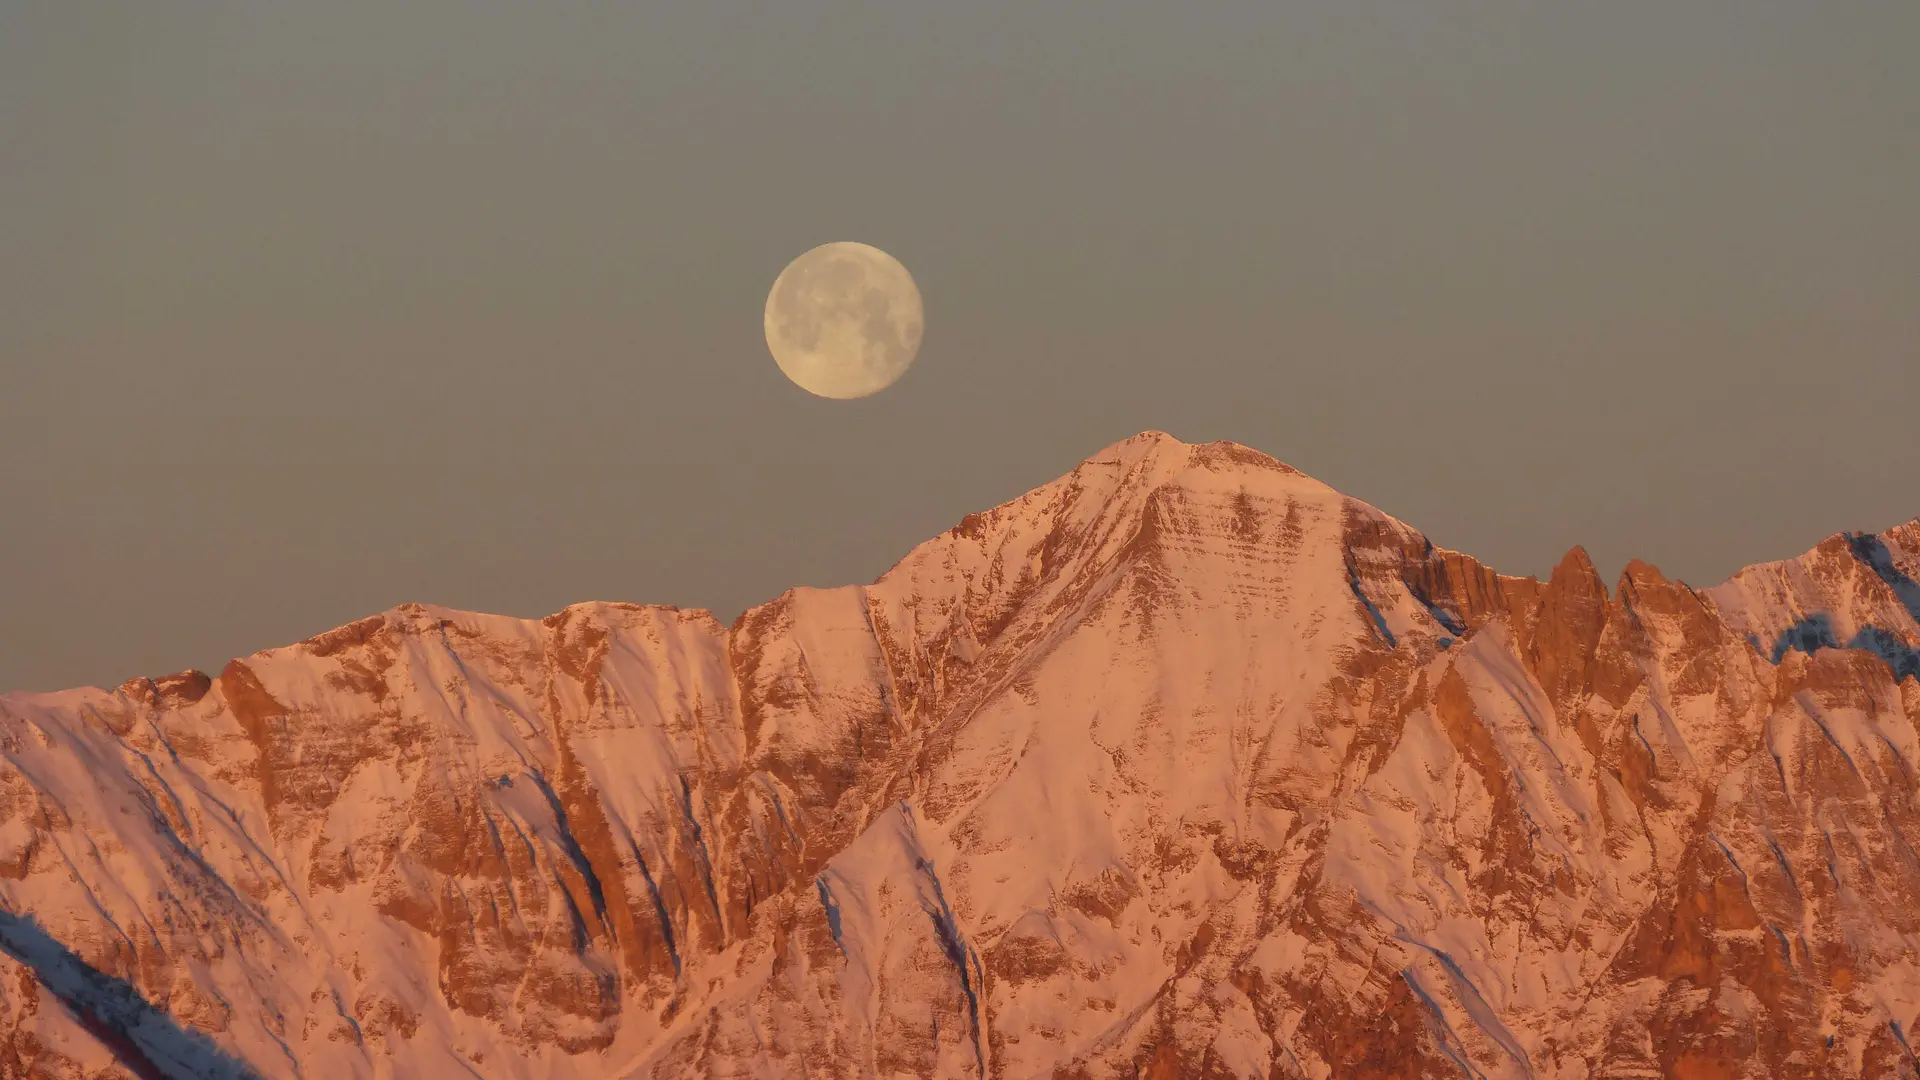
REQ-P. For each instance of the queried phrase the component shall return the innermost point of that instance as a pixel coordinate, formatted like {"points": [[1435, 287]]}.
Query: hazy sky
{"points": [[308, 309]]}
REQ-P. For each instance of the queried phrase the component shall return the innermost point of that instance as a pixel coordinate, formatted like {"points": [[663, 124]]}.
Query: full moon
{"points": [[844, 320]]}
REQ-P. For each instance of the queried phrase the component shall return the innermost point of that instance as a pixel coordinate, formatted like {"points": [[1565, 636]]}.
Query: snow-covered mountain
{"points": [[1182, 765]]}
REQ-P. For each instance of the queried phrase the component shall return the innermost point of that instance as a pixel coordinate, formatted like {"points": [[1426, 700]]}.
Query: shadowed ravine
{"points": [[143, 1039]]}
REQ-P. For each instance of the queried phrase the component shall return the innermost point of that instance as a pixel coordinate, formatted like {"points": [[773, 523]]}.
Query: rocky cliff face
{"points": [[1182, 765]]}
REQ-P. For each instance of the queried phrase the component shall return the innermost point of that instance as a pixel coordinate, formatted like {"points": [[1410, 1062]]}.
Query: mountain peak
{"points": [[1181, 764], [1161, 448], [1151, 438]]}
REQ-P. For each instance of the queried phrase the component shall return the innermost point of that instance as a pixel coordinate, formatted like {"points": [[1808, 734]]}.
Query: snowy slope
{"points": [[1182, 765]]}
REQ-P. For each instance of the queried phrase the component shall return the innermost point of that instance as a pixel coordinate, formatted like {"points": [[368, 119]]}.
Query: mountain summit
{"points": [[1184, 764]]}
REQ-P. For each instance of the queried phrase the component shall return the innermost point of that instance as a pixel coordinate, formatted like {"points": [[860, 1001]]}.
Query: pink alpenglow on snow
{"points": [[1183, 765]]}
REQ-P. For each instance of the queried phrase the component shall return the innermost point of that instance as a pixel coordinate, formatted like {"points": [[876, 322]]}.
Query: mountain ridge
{"points": [[1181, 764], [1910, 529]]}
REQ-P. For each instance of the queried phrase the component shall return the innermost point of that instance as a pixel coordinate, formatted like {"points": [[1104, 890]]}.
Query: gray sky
{"points": [[310, 309]]}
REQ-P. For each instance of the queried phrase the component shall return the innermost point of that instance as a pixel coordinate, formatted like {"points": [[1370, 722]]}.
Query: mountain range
{"points": [[1182, 765]]}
